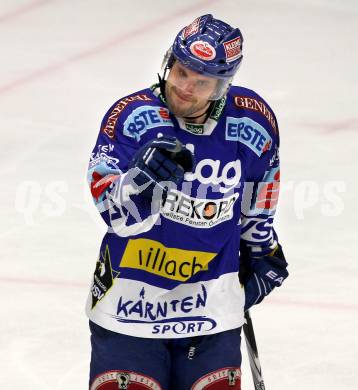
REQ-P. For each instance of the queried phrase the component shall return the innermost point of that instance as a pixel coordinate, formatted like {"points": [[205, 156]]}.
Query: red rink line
{"points": [[22, 10], [270, 300], [96, 50], [332, 127]]}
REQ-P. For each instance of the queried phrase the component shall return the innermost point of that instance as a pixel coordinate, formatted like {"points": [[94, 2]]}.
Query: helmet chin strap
{"points": [[162, 85], [195, 117]]}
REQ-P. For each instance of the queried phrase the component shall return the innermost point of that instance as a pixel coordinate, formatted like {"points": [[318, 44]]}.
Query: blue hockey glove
{"points": [[160, 160], [263, 276]]}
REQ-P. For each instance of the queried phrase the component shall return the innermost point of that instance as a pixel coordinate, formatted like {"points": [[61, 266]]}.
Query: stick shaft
{"points": [[253, 353]]}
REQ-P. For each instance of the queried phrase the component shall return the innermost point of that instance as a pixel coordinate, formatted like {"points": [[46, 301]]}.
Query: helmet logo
{"points": [[203, 50], [192, 29], [233, 49]]}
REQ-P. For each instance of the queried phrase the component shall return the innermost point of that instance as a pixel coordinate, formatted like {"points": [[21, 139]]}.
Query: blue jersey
{"points": [[170, 269]]}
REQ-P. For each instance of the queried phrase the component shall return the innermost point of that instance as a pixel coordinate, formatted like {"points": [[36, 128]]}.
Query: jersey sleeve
{"points": [[122, 207], [260, 198]]}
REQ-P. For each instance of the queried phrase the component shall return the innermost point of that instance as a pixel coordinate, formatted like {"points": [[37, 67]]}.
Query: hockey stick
{"points": [[253, 353]]}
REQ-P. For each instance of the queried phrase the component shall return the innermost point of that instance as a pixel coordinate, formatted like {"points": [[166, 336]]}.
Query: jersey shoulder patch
{"points": [[250, 101], [251, 122], [248, 132], [134, 115]]}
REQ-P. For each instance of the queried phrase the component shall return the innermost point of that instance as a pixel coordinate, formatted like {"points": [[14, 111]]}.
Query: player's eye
{"points": [[201, 83], [181, 73]]}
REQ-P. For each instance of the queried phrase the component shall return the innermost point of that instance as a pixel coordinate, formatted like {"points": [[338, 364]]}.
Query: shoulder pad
{"points": [[246, 99], [119, 117]]}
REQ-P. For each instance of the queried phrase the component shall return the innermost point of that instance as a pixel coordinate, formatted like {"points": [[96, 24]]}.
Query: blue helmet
{"points": [[210, 47]]}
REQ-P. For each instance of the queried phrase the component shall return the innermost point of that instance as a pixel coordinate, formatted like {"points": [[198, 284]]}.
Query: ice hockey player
{"points": [[183, 173]]}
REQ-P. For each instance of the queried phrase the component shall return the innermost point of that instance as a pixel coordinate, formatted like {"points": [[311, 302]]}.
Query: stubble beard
{"points": [[177, 109]]}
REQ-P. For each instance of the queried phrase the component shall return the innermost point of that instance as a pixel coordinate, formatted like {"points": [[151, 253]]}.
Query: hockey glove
{"points": [[264, 275], [160, 163]]}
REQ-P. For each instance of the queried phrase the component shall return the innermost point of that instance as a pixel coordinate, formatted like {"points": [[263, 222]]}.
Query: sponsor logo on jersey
{"points": [[144, 118], [103, 149], [262, 198], [203, 50], [109, 160], [102, 156], [185, 325], [218, 109], [102, 278], [258, 106], [100, 184], [109, 127], [248, 132], [124, 380], [160, 313], [194, 128], [191, 29], [228, 377], [275, 159], [172, 263], [164, 113], [198, 213], [209, 172], [266, 197], [233, 49], [257, 230]]}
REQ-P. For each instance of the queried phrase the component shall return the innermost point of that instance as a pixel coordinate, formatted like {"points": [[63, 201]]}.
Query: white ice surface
{"points": [[63, 63]]}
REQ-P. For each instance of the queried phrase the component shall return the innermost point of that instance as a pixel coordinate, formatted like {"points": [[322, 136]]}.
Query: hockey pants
{"points": [[204, 362]]}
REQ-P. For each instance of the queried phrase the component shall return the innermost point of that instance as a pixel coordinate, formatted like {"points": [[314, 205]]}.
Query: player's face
{"points": [[188, 92]]}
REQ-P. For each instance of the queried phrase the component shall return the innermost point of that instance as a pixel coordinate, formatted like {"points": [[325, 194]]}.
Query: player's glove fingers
{"points": [[170, 143], [178, 152], [169, 172], [256, 289], [185, 159], [155, 162], [143, 175], [164, 168], [146, 181]]}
